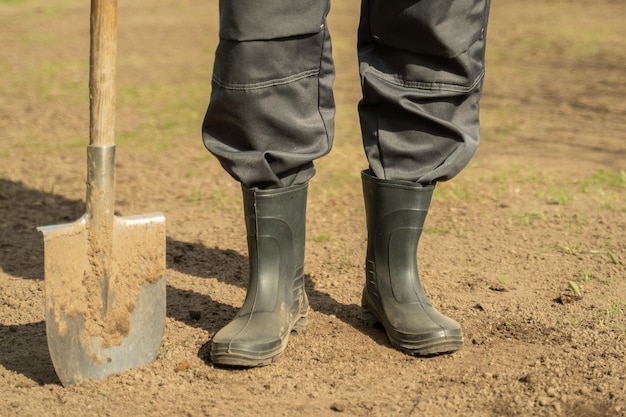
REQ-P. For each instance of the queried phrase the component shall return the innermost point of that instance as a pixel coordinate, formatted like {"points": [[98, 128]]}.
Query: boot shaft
{"points": [[275, 303], [390, 197], [393, 295], [275, 224], [395, 215]]}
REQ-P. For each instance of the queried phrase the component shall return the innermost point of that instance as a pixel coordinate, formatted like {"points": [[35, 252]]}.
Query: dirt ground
{"points": [[526, 248]]}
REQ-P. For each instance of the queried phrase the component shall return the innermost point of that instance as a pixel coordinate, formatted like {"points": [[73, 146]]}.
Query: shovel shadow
{"points": [[24, 350], [24, 347], [22, 210]]}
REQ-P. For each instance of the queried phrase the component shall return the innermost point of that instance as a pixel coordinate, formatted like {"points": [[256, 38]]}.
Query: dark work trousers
{"points": [[271, 110]]}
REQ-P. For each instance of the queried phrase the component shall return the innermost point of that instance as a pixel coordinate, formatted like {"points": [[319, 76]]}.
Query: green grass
{"points": [[507, 174], [612, 258], [527, 219], [74, 142], [606, 187], [445, 228], [503, 278], [557, 194], [613, 316], [322, 237], [609, 317], [574, 287], [569, 249], [338, 263], [155, 128], [585, 275], [449, 191], [51, 81], [196, 196]]}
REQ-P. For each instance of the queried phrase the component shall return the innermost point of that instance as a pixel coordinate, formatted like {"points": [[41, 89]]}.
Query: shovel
{"points": [[104, 274]]}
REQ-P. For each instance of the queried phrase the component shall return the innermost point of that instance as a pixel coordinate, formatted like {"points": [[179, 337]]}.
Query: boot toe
{"points": [[249, 341], [427, 334], [256, 340], [416, 329]]}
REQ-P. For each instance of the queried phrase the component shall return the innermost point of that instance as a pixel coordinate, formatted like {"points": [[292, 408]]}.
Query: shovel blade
{"points": [[101, 325]]}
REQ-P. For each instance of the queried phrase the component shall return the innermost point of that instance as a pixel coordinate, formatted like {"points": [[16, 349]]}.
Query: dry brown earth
{"points": [[540, 211]]}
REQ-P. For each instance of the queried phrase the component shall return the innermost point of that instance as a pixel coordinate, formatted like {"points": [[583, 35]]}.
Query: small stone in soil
{"points": [[337, 407], [183, 366]]}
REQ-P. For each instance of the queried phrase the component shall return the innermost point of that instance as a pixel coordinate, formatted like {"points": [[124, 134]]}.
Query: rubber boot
{"points": [[393, 294], [276, 303]]}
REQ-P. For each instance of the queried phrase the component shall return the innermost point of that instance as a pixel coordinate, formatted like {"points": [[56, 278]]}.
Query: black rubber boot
{"points": [[276, 303], [393, 294]]}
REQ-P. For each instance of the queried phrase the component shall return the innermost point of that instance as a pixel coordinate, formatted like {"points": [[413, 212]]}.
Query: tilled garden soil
{"points": [[526, 248]]}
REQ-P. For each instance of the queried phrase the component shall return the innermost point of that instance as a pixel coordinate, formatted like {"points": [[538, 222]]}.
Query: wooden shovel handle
{"points": [[102, 65]]}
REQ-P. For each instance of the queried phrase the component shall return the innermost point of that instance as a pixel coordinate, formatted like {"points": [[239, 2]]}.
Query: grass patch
{"points": [[607, 187], [574, 287], [338, 263], [614, 316], [446, 191], [503, 278], [608, 254], [51, 81], [561, 195], [445, 229], [527, 219], [568, 248], [180, 118], [585, 275], [506, 175], [322, 237], [196, 196], [74, 142]]}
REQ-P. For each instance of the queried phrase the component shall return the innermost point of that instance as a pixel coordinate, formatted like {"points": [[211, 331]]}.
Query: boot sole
{"points": [[225, 355], [430, 344]]}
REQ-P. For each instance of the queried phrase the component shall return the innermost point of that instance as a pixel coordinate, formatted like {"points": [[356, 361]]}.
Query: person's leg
{"points": [[270, 116], [271, 111], [422, 65]]}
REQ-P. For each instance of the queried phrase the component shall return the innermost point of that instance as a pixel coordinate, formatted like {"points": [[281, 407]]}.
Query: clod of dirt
{"points": [[567, 298], [183, 366], [337, 407]]}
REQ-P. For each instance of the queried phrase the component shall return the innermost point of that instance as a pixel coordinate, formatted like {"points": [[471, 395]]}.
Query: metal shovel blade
{"points": [[98, 324], [104, 274]]}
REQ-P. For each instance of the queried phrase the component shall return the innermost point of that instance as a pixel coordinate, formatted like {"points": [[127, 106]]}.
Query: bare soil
{"points": [[526, 248]]}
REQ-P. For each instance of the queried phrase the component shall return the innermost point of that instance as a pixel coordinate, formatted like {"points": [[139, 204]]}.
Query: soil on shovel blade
{"points": [[77, 269], [526, 248]]}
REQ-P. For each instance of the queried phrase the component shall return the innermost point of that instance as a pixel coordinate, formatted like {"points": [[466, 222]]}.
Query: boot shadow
{"points": [[231, 267]]}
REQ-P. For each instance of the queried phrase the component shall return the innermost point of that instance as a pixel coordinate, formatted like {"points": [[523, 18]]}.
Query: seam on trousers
{"points": [[265, 84], [319, 79], [422, 85]]}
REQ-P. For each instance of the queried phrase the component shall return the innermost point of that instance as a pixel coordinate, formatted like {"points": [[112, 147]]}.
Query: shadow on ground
{"points": [[23, 348]]}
